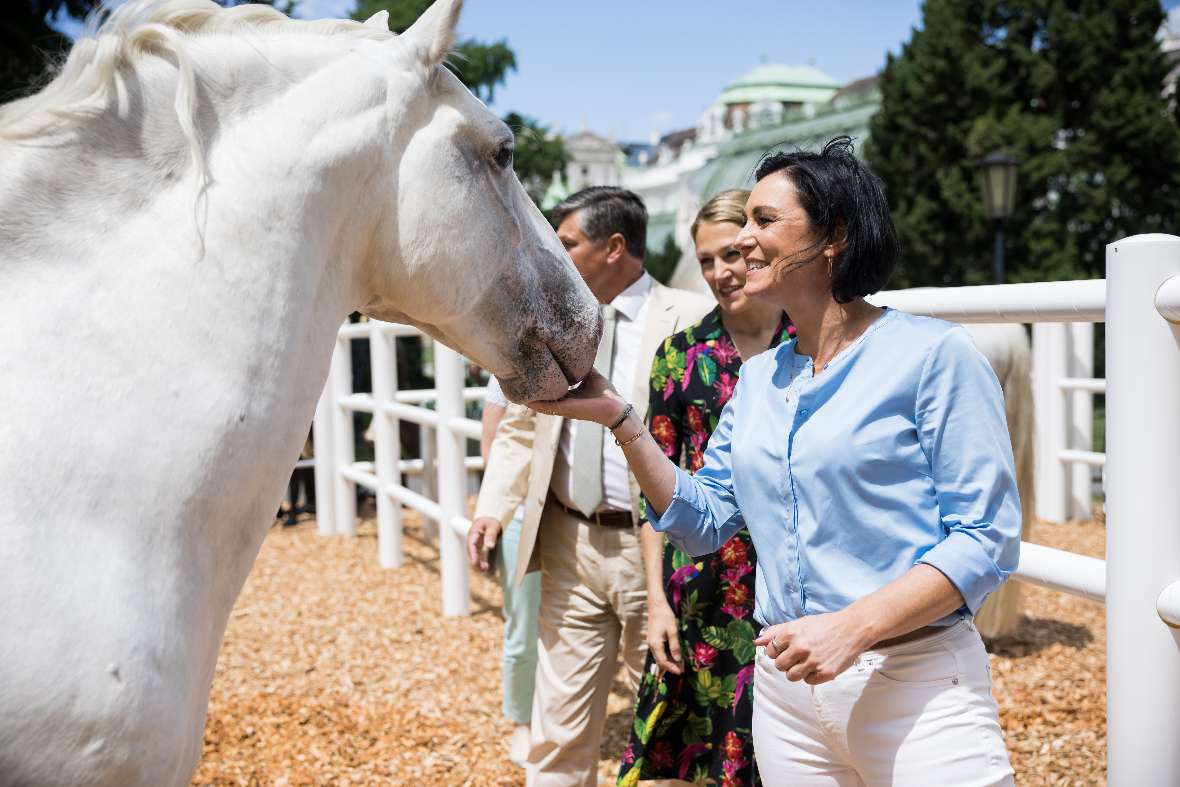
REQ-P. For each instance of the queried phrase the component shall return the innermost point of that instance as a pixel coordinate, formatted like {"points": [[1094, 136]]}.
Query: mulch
{"points": [[335, 671]]}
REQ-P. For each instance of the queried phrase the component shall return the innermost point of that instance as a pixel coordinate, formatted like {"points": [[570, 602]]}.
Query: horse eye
{"points": [[504, 157]]}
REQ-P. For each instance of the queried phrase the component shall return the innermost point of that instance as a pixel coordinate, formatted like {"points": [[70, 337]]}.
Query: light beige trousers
{"points": [[593, 606]]}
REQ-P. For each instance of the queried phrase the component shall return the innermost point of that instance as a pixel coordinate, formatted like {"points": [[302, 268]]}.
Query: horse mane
{"points": [[142, 28]]}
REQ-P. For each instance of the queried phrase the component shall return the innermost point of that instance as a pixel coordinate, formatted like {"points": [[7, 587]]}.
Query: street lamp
{"points": [[997, 177]]}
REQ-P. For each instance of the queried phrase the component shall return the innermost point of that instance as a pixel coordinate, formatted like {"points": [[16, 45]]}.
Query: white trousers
{"points": [[915, 714]]}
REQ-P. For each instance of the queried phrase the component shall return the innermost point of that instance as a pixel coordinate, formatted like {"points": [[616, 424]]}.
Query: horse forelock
{"points": [[152, 28]]}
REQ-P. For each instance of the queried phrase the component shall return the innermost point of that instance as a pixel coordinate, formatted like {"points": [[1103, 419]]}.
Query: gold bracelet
{"points": [[632, 438]]}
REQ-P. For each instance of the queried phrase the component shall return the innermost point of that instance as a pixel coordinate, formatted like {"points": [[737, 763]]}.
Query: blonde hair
{"points": [[728, 207], [150, 27]]}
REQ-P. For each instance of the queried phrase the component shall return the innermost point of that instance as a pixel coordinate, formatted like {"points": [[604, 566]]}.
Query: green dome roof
{"points": [[778, 82]]}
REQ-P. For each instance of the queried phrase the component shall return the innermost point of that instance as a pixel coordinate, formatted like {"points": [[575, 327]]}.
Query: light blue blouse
{"points": [[897, 454]]}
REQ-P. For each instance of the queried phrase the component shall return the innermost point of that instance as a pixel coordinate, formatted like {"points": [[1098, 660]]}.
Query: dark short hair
{"points": [[605, 211], [839, 191]]}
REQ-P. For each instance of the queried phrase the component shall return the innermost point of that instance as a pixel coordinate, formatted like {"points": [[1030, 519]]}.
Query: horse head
{"points": [[464, 254]]}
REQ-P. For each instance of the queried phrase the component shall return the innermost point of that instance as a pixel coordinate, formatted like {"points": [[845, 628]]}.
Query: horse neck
{"points": [[200, 321]]}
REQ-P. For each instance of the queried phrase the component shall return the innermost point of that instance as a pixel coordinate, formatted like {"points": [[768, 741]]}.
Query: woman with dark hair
{"points": [[683, 730], [871, 463]]}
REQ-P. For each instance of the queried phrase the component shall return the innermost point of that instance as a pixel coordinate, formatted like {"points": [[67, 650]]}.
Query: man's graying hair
{"points": [[606, 210]]}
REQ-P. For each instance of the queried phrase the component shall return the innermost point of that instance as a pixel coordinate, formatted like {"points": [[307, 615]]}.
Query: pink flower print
{"points": [[737, 601], [660, 755], [724, 386], [745, 677], [687, 755], [733, 746], [678, 579], [664, 431], [703, 655], [734, 553], [628, 754], [735, 574], [690, 359], [725, 352], [730, 770], [669, 388]]}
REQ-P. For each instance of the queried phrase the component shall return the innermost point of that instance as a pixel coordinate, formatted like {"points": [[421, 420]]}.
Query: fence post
{"points": [[449, 369], [1143, 513], [429, 449], [1050, 348], [340, 381], [324, 445], [1080, 410], [387, 448]]}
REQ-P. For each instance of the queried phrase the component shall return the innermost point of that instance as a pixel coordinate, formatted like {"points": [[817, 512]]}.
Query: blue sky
{"points": [[628, 68]]}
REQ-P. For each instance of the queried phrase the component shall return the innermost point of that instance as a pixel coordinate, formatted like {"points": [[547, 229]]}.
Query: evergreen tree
{"points": [[482, 67], [538, 154], [1072, 88], [662, 264]]}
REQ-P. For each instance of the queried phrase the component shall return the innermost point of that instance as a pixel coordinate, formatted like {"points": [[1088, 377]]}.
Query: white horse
{"points": [[1006, 347], [187, 214]]}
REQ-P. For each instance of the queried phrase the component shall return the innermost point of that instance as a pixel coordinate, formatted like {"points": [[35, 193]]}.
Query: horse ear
{"points": [[379, 20], [432, 36]]}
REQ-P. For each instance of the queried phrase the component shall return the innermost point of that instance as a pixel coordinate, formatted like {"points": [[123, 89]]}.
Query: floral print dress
{"points": [[696, 726]]}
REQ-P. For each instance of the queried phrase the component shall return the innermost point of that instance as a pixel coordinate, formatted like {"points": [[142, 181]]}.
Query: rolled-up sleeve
{"points": [[704, 513], [964, 434]]}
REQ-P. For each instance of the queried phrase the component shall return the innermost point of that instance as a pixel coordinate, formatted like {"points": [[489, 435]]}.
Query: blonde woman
{"points": [[686, 731]]}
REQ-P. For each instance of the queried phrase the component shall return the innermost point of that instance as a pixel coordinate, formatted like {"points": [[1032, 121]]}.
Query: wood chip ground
{"points": [[337, 672]]}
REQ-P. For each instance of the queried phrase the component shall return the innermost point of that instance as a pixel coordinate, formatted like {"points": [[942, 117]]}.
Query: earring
{"points": [[829, 266]]}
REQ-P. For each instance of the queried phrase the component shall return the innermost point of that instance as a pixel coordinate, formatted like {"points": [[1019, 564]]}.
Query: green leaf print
{"points": [[659, 374], [728, 685], [698, 729], [675, 360], [717, 637], [679, 559], [706, 369], [670, 718], [712, 690], [741, 637]]}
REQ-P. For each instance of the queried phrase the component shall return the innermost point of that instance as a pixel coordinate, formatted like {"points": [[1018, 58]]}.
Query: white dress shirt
{"points": [[631, 305]]}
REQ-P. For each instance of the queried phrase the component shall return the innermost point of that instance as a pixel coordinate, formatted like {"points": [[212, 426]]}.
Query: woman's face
{"points": [[776, 239], [722, 264]]}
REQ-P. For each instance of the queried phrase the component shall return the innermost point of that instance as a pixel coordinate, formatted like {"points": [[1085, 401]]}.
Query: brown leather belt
{"points": [[902, 639], [600, 518]]}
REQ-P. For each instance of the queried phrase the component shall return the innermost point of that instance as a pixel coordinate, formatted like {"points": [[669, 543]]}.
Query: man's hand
{"points": [[662, 637], [481, 539], [815, 648]]}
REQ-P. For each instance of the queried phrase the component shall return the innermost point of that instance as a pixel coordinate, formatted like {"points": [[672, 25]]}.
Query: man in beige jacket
{"points": [[581, 503]]}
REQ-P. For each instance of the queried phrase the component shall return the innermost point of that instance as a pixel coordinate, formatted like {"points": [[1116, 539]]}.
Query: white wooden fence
{"points": [[338, 473], [1139, 582]]}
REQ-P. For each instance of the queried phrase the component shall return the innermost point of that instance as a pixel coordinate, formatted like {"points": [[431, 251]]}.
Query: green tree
{"points": [[662, 264], [1070, 87], [538, 155], [482, 67]]}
